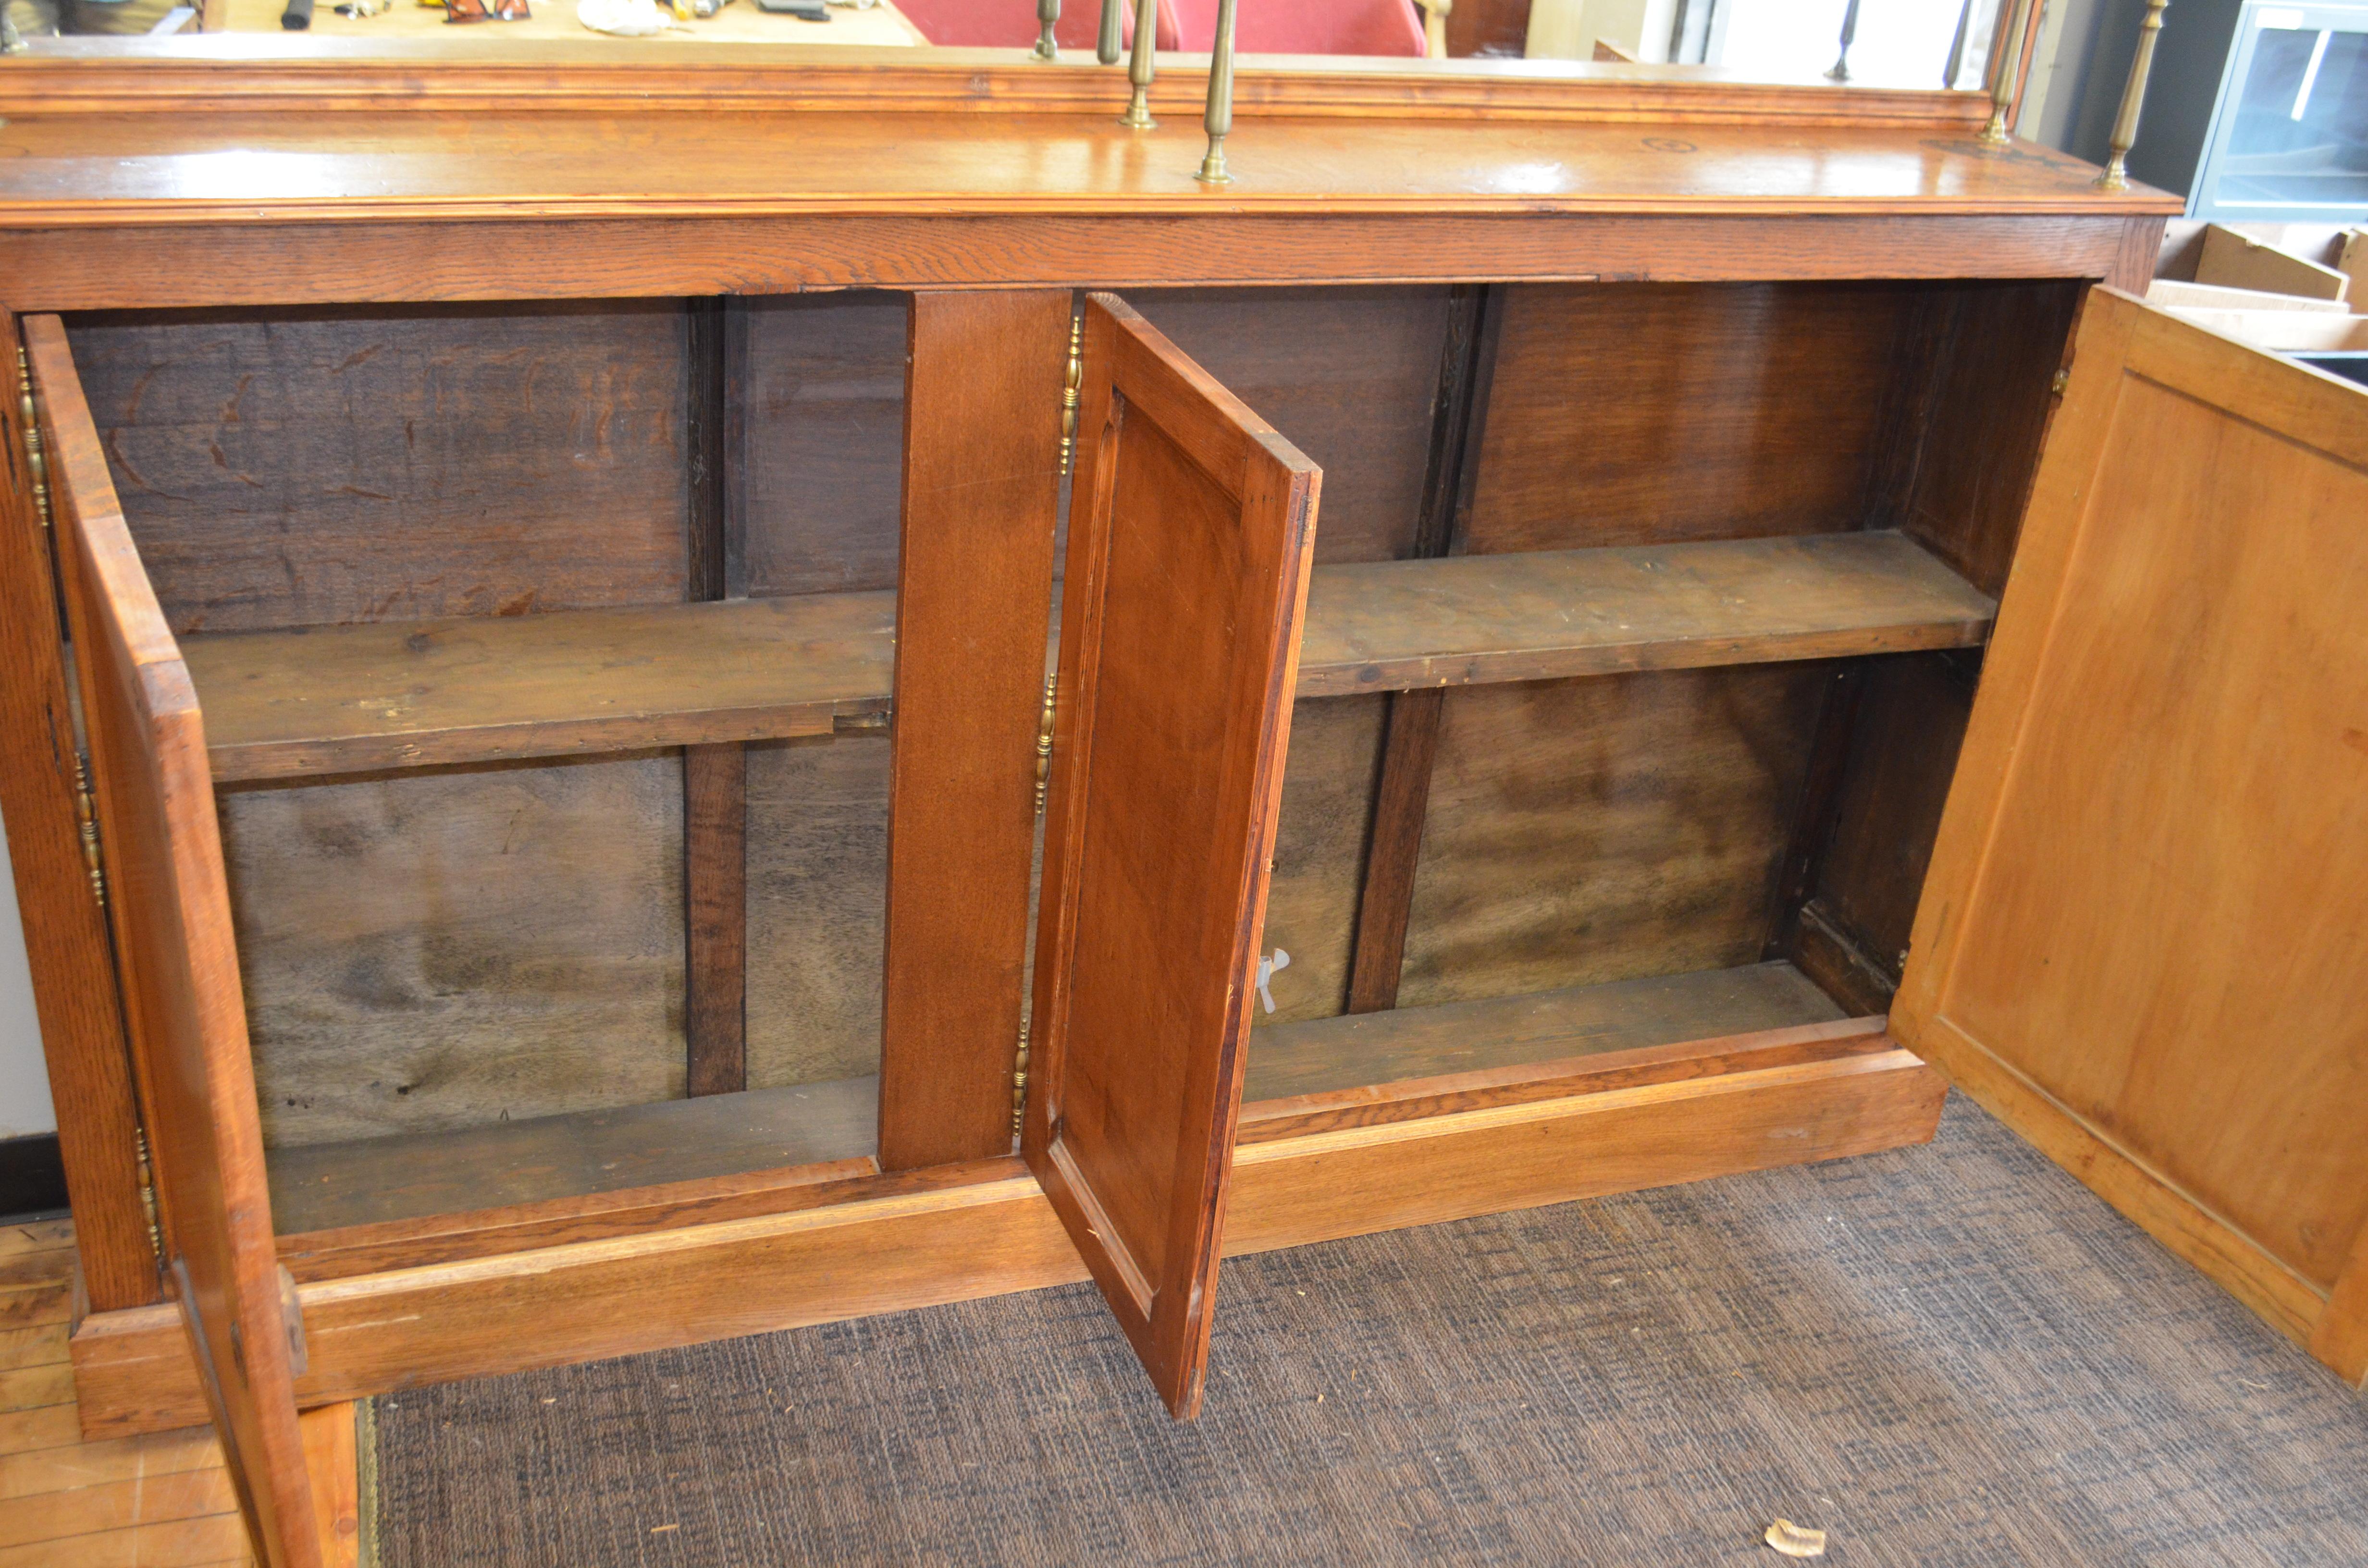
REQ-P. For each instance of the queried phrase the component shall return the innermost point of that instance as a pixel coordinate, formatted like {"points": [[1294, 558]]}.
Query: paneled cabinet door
{"points": [[2143, 941], [1191, 527], [169, 903]]}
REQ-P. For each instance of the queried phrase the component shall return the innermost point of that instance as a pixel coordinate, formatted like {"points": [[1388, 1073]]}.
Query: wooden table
{"points": [[882, 26]]}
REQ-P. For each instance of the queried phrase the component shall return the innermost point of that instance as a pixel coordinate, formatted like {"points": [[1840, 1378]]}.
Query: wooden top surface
{"points": [[257, 132]]}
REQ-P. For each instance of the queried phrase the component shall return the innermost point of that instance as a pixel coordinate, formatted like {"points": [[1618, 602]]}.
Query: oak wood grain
{"points": [[1321, 847], [1354, 1051], [78, 169], [817, 908], [715, 919], [2139, 941], [304, 468], [277, 263], [1636, 414], [1167, 752], [171, 916], [1584, 831], [445, 950], [476, 689], [1544, 615], [1410, 738], [1350, 375], [822, 442], [533, 1160], [67, 946], [665, 1288], [974, 607], [349, 698]]}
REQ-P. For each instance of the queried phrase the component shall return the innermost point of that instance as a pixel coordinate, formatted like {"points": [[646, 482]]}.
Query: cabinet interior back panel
{"points": [[822, 449], [1319, 854], [817, 908], [448, 950], [1644, 413], [1598, 829], [322, 466], [1911, 723], [1347, 375]]}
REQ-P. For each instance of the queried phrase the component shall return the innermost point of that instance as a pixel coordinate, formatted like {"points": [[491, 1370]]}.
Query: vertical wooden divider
{"points": [[1410, 739], [72, 956], [714, 777], [974, 608]]}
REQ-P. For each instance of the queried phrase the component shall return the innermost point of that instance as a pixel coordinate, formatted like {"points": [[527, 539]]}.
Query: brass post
{"points": [[1841, 72], [2125, 122], [1957, 46], [1220, 116], [1138, 69], [1048, 12], [2009, 50], [1106, 45]]}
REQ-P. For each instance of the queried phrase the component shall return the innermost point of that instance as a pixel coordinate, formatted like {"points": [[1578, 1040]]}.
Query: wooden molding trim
{"points": [[488, 1316], [289, 263], [235, 72]]}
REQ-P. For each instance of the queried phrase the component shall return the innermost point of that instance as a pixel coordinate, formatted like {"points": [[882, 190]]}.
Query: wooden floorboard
{"points": [[156, 1500], [476, 690]]}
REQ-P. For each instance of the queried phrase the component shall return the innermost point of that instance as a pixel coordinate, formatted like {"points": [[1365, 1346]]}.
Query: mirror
{"points": [[1892, 44]]}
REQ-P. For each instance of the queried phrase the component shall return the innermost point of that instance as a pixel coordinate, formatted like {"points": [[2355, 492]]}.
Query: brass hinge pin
{"points": [[1069, 393], [34, 460], [148, 1192], [86, 820], [1020, 1082], [1044, 740]]}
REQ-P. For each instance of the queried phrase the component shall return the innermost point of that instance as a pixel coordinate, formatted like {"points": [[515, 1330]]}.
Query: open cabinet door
{"points": [[1189, 531], [2143, 941], [169, 905]]}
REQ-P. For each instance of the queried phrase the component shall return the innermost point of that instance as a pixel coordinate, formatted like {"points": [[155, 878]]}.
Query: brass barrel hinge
{"points": [[34, 461], [148, 1192], [1044, 740], [1069, 393], [1020, 1082], [86, 820]]}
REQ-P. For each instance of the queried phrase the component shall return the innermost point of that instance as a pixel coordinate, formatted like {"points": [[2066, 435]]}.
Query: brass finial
{"points": [[1105, 44], [1048, 13], [2125, 122], [1220, 116], [2010, 60], [1138, 69]]}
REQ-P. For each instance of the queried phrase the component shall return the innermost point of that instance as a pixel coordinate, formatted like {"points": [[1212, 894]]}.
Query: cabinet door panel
{"points": [[1188, 550], [2143, 942], [170, 909]]}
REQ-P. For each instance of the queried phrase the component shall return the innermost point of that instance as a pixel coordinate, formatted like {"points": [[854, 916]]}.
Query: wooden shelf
{"points": [[1362, 1049], [409, 693], [1469, 620], [367, 1181]]}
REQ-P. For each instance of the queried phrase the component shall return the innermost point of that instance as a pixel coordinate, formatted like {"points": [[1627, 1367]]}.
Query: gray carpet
{"points": [[1952, 1354]]}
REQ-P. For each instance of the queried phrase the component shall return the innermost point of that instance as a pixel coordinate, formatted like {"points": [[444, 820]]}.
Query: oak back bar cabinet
{"points": [[566, 803]]}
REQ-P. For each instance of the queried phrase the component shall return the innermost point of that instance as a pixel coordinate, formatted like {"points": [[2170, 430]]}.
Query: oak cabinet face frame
{"points": [[1624, 729]]}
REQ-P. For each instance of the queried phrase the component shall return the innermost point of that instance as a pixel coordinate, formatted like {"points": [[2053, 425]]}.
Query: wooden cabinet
{"points": [[641, 806]]}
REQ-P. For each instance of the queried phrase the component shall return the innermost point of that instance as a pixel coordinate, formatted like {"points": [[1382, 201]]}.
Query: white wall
{"points": [[24, 1079]]}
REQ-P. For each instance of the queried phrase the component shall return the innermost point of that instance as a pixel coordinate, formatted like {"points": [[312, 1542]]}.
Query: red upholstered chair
{"points": [[1260, 27], [1303, 26], [1011, 24]]}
